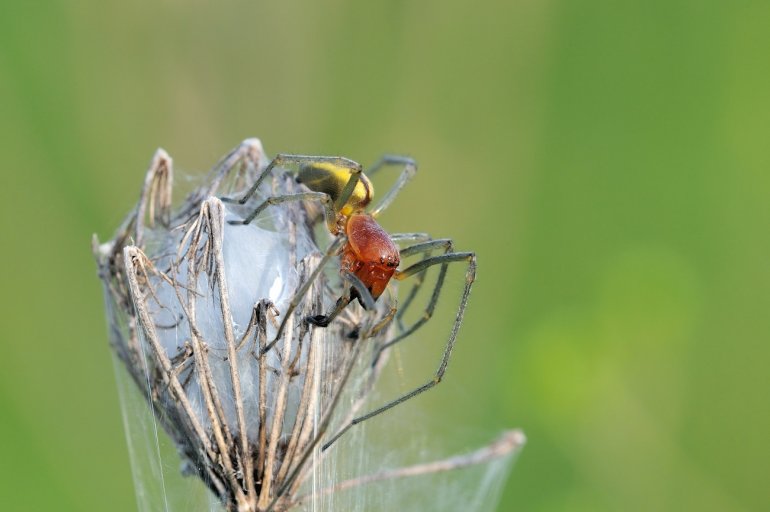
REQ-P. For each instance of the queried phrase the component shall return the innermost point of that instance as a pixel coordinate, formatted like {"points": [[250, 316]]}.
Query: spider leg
{"points": [[470, 277], [409, 170], [425, 248], [385, 321], [322, 197], [285, 159], [362, 293], [325, 320], [410, 237]]}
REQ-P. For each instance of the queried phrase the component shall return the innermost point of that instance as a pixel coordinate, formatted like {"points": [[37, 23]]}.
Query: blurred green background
{"points": [[609, 162]]}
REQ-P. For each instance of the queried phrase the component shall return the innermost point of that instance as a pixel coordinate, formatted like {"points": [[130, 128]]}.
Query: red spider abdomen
{"points": [[370, 254]]}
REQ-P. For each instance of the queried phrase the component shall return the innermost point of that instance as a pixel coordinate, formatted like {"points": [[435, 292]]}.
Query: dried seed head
{"points": [[208, 317]]}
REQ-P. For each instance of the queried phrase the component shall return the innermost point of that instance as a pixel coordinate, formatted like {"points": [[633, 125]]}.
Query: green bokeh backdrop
{"points": [[609, 162]]}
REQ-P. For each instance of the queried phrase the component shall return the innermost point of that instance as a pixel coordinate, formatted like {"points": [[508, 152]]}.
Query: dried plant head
{"points": [[208, 318]]}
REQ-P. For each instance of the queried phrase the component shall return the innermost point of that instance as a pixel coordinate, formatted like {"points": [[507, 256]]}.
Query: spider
{"points": [[369, 255]]}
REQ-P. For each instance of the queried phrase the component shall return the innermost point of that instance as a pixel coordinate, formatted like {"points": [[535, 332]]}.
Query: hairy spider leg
{"points": [[419, 248], [410, 168], [410, 237], [419, 278], [284, 159], [365, 295], [426, 248], [470, 277], [321, 197], [367, 300]]}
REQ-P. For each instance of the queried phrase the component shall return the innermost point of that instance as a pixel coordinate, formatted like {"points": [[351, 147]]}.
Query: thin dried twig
{"points": [[508, 443], [216, 212], [135, 260]]}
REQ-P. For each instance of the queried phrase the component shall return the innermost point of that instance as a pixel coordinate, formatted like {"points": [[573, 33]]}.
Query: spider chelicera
{"points": [[369, 255]]}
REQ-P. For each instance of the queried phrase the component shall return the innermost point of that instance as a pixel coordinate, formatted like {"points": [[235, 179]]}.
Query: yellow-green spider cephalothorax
{"points": [[331, 179]]}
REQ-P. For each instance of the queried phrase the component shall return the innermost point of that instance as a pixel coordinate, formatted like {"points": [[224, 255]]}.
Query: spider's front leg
{"points": [[286, 159]]}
